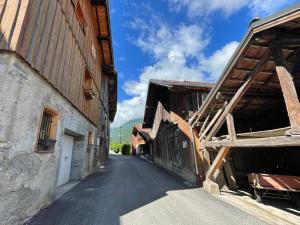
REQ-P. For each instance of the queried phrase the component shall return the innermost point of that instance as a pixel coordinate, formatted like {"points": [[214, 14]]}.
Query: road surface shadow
{"points": [[122, 186]]}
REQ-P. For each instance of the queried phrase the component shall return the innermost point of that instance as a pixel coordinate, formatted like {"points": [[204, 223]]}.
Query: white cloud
{"points": [[228, 7], [215, 64], [172, 48], [268, 7]]}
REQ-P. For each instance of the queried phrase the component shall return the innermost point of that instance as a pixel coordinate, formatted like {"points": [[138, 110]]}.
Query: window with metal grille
{"points": [[47, 134]]}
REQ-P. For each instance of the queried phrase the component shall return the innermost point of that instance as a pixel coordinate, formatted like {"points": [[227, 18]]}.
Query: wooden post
{"points": [[231, 127], [219, 161], [230, 175], [290, 98]]}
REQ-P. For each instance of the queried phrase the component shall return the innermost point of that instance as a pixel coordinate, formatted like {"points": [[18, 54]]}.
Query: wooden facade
{"points": [[169, 106], [250, 120], [63, 40]]}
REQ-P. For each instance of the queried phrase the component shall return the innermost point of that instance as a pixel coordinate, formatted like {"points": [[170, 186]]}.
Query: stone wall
{"points": [[28, 179]]}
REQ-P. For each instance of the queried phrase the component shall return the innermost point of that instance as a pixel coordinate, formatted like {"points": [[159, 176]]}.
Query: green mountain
{"points": [[126, 129]]}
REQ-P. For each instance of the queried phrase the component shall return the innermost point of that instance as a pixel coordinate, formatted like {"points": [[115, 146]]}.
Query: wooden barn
{"points": [[250, 122], [58, 94], [139, 140], [169, 106]]}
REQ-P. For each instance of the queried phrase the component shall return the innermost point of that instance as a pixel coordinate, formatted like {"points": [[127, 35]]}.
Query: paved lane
{"points": [[130, 191]]}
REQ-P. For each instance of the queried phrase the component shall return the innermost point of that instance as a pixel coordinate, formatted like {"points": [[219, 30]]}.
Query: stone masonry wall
{"points": [[28, 179]]}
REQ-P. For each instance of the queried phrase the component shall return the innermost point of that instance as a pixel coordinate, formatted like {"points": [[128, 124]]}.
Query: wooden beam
{"points": [[230, 175], [290, 98], [219, 161], [212, 122], [296, 66], [283, 141], [238, 95], [204, 124], [278, 56], [230, 126]]}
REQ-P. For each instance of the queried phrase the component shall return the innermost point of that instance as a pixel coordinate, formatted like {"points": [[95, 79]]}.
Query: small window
{"points": [[88, 85], [47, 133], [80, 16]]}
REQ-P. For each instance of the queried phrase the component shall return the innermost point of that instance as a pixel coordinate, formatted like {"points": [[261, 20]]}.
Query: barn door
{"points": [[175, 149]]}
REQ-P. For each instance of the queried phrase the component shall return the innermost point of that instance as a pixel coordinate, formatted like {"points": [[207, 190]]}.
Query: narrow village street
{"points": [[131, 191]]}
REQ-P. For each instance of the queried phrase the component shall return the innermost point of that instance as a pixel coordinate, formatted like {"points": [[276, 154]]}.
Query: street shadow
{"points": [[111, 193]]}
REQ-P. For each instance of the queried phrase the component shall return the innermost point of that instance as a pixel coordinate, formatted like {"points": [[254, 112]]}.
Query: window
{"points": [[88, 85], [48, 129], [80, 16]]}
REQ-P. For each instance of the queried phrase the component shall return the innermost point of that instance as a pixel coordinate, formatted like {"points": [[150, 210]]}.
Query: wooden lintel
{"points": [[217, 164], [238, 95], [283, 141], [290, 98]]}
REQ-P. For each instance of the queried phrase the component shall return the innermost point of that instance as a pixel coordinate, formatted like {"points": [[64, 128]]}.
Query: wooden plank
{"points": [[3, 5], [64, 79], [230, 126], [70, 67], [204, 124], [75, 71], [219, 161], [211, 124], [45, 37], [52, 45], [290, 97], [238, 96], [229, 173], [265, 133], [37, 32], [19, 23], [283, 141], [58, 51], [63, 59], [8, 23]]}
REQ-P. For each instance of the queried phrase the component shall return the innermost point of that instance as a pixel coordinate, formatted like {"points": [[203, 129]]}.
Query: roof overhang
{"points": [[281, 30], [158, 88], [104, 37]]}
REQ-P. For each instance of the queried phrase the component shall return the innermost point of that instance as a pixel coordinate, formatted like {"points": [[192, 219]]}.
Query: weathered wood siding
{"points": [[47, 34]]}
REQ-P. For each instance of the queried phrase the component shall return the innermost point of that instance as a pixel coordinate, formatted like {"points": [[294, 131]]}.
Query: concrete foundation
{"points": [[28, 180], [211, 187]]}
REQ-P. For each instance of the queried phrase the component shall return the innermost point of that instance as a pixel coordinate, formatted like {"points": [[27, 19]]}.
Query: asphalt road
{"points": [[130, 191]]}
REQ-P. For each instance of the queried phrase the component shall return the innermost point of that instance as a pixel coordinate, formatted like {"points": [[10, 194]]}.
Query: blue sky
{"points": [[176, 39]]}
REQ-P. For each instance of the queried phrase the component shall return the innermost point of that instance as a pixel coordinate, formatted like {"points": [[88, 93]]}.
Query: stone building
{"points": [[57, 98], [169, 106]]}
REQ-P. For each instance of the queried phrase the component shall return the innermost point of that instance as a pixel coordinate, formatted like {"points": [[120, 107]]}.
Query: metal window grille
{"points": [[44, 131]]}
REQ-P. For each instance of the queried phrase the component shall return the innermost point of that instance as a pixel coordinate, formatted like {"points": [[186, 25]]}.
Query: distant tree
{"points": [[126, 149], [115, 147]]}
